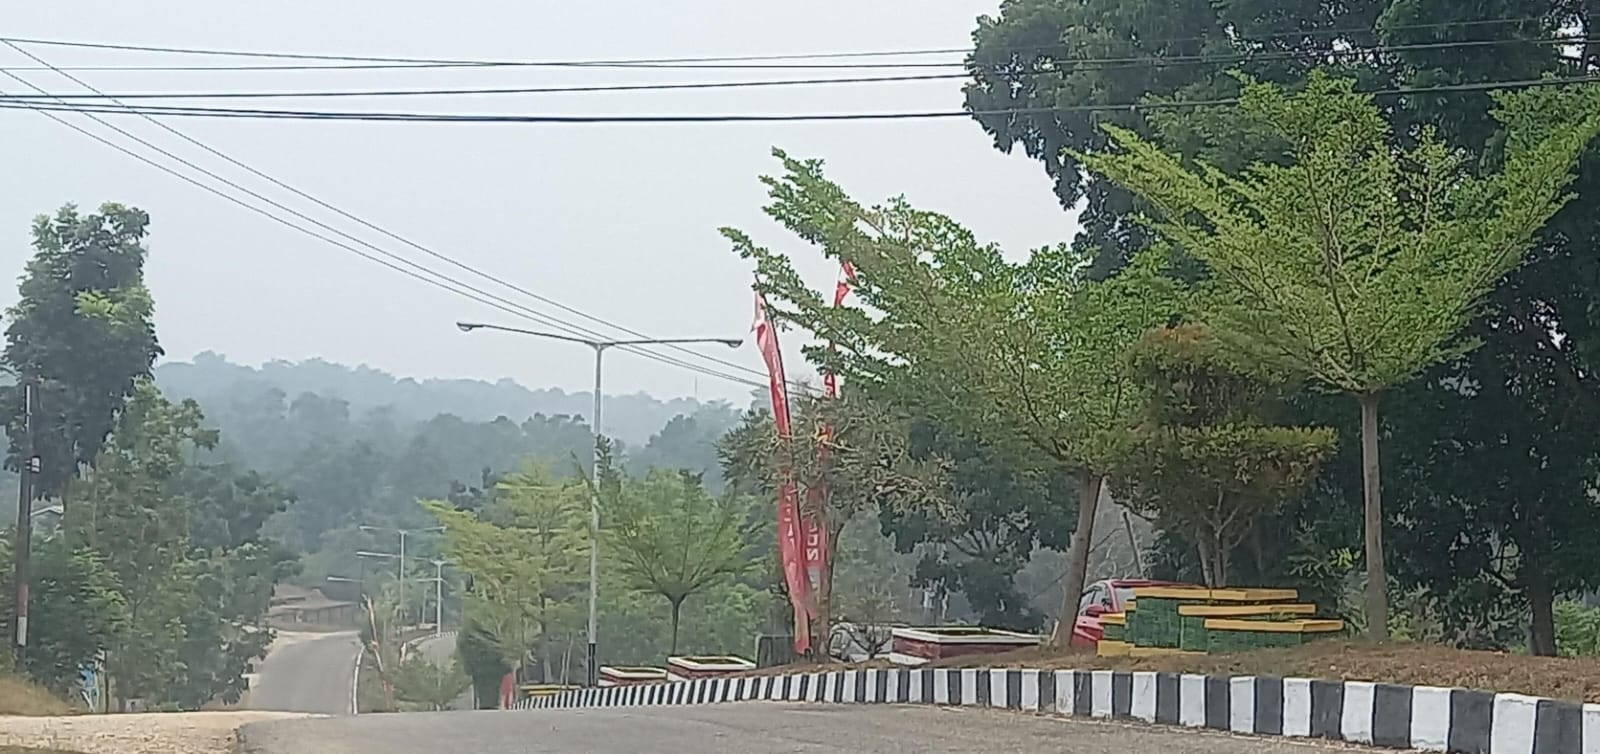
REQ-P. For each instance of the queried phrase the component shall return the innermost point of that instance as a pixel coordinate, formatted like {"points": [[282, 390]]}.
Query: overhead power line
{"points": [[504, 90], [410, 117], [704, 61], [1067, 66], [383, 257]]}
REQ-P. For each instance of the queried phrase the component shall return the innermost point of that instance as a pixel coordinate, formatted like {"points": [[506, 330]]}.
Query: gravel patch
{"points": [[156, 733]]}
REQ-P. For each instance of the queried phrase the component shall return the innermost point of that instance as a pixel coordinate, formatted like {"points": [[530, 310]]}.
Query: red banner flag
{"points": [[818, 543], [791, 545], [841, 290]]}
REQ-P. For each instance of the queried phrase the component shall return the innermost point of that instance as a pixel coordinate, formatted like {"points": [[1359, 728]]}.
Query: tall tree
{"points": [[82, 329], [1359, 261], [1030, 357], [126, 511], [671, 538]]}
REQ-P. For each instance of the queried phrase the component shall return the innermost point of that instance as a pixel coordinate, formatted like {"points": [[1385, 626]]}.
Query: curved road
{"points": [[307, 673], [754, 727]]}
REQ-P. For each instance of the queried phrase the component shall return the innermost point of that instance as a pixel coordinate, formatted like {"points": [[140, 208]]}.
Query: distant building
{"points": [[298, 606]]}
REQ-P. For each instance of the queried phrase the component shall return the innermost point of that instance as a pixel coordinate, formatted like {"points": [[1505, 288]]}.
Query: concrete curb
{"points": [[1377, 714]]}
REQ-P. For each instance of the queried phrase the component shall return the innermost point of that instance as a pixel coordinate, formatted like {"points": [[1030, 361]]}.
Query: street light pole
{"points": [[402, 560], [594, 530], [438, 597], [599, 347]]}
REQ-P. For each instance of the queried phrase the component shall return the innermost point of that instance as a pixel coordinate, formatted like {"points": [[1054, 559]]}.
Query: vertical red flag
{"points": [[816, 532], [791, 547], [841, 290]]}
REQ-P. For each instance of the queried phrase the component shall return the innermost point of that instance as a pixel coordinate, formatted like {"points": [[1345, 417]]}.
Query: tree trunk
{"points": [[1259, 550], [677, 607], [1377, 574], [1203, 546], [1542, 599], [1222, 562], [1078, 559]]}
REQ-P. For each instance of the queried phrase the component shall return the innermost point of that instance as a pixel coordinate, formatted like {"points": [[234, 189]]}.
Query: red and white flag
{"points": [[818, 544], [791, 542]]}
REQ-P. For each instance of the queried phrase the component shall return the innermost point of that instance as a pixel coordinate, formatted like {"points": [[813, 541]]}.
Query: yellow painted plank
{"points": [[1158, 652], [1287, 626], [1199, 594], [1115, 619], [1171, 592], [1233, 611], [1107, 648], [1254, 595]]}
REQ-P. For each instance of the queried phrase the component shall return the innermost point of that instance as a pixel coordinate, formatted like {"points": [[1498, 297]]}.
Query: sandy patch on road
{"points": [[157, 733]]}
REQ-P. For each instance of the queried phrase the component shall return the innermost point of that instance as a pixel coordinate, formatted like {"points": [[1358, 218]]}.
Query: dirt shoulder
{"points": [[156, 733], [18, 697], [1403, 663]]}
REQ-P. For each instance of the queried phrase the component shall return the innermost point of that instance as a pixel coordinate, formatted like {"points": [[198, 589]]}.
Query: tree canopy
{"points": [[1357, 262]]}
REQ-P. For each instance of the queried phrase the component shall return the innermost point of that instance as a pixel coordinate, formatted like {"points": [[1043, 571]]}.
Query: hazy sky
{"points": [[617, 220]]}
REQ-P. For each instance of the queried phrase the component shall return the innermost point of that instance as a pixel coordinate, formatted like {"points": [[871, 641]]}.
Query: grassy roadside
{"points": [[1402, 663], [369, 685], [18, 697]]}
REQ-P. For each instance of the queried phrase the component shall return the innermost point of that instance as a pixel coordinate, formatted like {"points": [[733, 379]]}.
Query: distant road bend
{"points": [[306, 672], [752, 727]]}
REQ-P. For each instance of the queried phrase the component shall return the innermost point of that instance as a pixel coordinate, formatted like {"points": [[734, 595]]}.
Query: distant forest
{"points": [[212, 380], [358, 446]]}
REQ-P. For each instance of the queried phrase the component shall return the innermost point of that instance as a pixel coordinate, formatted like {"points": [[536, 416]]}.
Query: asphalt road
{"points": [[307, 673], [753, 727]]}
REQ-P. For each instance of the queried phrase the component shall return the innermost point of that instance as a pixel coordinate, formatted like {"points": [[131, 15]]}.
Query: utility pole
{"points": [[438, 596], [24, 537]]}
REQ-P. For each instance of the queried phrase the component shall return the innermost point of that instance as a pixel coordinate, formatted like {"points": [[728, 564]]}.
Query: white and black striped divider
{"points": [[1394, 716]]}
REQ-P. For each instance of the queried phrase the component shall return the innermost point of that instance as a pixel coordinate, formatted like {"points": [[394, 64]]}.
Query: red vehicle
{"points": [[1105, 596]]}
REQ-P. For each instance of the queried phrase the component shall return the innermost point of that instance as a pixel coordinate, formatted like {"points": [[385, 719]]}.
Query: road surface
{"points": [[753, 727], [442, 650], [307, 673]]}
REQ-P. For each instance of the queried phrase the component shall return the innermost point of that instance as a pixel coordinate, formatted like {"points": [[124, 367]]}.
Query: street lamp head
{"points": [[732, 342], [468, 326]]}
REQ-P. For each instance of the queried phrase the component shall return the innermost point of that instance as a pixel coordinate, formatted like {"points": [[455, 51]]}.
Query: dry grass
{"points": [[31, 750], [1403, 663], [152, 733], [18, 697]]}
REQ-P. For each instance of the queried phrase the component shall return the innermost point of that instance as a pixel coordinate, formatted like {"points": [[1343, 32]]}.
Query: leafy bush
{"points": [[1577, 630]]}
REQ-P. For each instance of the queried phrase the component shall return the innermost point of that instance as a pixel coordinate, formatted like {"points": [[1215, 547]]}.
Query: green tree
{"points": [[671, 538], [1358, 262], [522, 557], [1207, 460], [848, 456], [82, 329], [1029, 357], [126, 511], [432, 684], [482, 661], [75, 611], [999, 512]]}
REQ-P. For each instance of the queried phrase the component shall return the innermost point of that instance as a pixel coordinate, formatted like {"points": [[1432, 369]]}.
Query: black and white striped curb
{"points": [[1380, 714]]}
